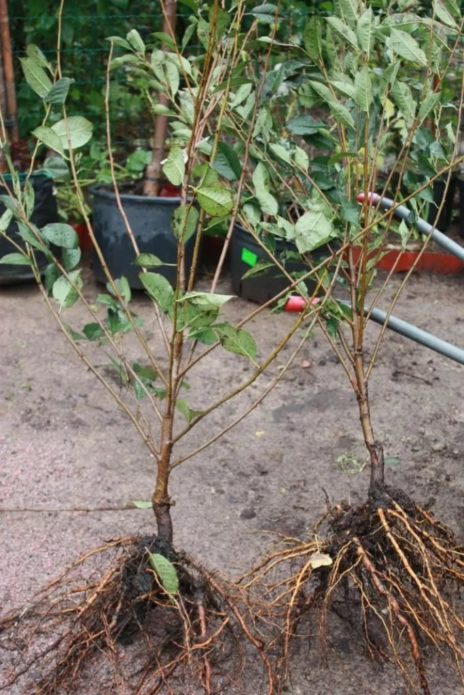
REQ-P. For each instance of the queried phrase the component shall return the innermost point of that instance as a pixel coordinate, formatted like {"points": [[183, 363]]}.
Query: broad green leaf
{"points": [[443, 13], [215, 200], [345, 87], [363, 89], [50, 275], [404, 45], [241, 95], [15, 259], [66, 291], [148, 260], [312, 38], [73, 132], [236, 340], [226, 162], [313, 229], [266, 200], [136, 41], [339, 112], [31, 236], [36, 77], [124, 288], [349, 10], [58, 93], [184, 222], [49, 138], [206, 299], [159, 289], [92, 331], [60, 234], [34, 52], [365, 31], [429, 103], [5, 220], [56, 168], [341, 28], [403, 98], [142, 504], [281, 152], [165, 571], [301, 158], [174, 166], [189, 413], [405, 232], [172, 77], [71, 258]]}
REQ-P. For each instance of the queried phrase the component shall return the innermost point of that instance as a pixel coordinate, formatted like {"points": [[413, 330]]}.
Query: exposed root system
{"points": [[118, 630], [387, 567]]}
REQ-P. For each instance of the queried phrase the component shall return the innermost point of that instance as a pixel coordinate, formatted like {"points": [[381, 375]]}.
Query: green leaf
{"points": [[172, 77], [29, 237], [56, 168], [313, 229], [136, 41], [124, 288], [15, 259], [66, 291], [51, 274], [34, 52], [188, 412], [206, 299], [159, 289], [174, 166], [148, 260], [365, 31], [405, 232], [49, 138], [281, 152], [266, 200], [92, 331], [429, 103], [36, 77], [60, 234], [184, 222], [404, 45], [5, 220], [236, 340], [363, 89], [226, 162], [215, 200], [340, 112], [344, 86], [165, 571], [301, 158], [349, 10], [443, 14], [71, 258], [142, 504], [59, 92], [341, 28], [312, 38], [403, 98], [73, 132]]}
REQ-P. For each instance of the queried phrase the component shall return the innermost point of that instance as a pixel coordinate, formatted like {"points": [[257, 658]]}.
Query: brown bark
{"points": [[151, 186], [8, 72]]}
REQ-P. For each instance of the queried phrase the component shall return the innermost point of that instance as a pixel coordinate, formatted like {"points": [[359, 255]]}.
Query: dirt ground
{"points": [[65, 451]]}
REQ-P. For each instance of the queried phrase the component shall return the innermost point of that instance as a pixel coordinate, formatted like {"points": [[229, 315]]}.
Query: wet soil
{"points": [[70, 463]]}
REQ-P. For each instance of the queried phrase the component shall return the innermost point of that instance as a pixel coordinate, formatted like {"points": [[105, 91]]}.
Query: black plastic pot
{"points": [[246, 253], [445, 217], [150, 221], [45, 212]]}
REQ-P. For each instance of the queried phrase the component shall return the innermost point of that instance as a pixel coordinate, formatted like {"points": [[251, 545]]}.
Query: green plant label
{"points": [[249, 257]]}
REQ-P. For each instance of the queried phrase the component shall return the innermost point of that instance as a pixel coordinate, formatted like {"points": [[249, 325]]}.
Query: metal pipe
{"points": [[418, 335], [424, 227], [298, 304]]}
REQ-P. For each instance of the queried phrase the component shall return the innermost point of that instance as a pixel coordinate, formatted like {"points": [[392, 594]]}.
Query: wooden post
{"points": [[8, 81], [151, 186]]}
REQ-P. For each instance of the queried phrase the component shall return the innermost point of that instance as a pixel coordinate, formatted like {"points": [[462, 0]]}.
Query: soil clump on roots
{"points": [[386, 568], [118, 629]]}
